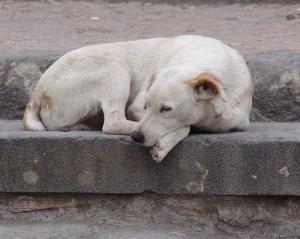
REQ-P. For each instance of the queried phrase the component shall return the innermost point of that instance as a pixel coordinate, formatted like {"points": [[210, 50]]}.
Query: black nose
{"points": [[138, 137]]}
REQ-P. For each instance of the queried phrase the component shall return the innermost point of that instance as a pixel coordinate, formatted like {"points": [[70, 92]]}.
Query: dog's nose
{"points": [[138, 137]]}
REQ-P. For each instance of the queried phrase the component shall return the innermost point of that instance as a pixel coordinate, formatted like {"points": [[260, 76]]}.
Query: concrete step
{"points": [[148, 216], [263, 160], [114, 229]]}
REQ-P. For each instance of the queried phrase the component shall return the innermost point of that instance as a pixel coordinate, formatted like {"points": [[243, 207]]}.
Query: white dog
{"points": [[194, 81]]}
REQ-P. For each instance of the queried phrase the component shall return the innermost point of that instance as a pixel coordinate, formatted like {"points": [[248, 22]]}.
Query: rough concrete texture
{"points": [[150, 216], [260, 161], [277, 84], [19, 73]]}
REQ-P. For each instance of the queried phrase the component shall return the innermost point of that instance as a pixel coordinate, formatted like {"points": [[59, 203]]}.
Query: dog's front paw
{"points": [[158, 152], [165, 144]]}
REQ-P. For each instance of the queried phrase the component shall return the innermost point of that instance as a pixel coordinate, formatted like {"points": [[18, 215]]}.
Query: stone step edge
{"points": [[263, 160]]}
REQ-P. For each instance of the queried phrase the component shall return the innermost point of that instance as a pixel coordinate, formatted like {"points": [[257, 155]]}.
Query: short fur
{"points": [[194, 81]]}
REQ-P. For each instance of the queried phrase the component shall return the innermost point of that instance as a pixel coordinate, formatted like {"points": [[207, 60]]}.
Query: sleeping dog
{"points": [[153, 90]]}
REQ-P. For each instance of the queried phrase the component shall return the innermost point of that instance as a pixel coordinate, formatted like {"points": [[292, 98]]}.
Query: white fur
{"points": [[114, 78]]}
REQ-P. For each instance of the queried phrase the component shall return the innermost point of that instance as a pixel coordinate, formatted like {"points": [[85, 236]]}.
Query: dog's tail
{"points": [[31, 118]]}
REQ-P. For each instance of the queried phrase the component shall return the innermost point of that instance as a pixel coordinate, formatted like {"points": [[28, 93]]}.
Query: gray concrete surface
{"points": [[81, 230], [263, 160], [150, 215], [276, 84], [19, 73]]}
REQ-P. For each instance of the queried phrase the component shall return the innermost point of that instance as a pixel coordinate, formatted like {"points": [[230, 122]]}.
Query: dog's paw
{"points": [[158, 152]]}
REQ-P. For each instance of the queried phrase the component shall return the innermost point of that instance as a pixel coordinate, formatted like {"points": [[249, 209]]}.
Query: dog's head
{"points": [[178, 97]]}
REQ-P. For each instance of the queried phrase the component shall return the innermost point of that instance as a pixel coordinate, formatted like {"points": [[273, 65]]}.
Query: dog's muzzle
{"points": [[138, 137]]}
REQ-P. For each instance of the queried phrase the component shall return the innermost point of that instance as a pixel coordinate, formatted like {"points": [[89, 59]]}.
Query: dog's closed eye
{"points": [[165, 109]]}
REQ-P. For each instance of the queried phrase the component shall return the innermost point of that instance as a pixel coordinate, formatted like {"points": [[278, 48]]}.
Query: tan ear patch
{"points": [[206, 81], [207, 86]]}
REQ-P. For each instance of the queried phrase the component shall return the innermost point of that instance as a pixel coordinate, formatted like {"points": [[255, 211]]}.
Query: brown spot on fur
{"points": [[28, 108], [46, 100], [151, 80], [208, 82]]}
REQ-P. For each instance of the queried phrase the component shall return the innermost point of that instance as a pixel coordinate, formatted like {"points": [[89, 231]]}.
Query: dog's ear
{"points": [[150, 82], [207, 87]]}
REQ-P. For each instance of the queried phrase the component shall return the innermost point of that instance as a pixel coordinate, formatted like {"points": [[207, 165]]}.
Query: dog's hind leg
{"points": [[167, 142], [115, 121], [113, 106]]}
